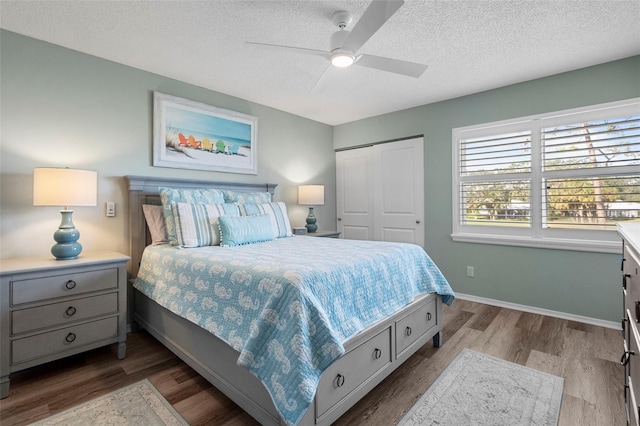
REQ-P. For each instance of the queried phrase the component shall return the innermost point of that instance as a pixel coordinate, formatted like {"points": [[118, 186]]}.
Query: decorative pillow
{"points": [[179, 195], [197, 225], [247, 197], [155, 222], [277, 215], [239, 230]]}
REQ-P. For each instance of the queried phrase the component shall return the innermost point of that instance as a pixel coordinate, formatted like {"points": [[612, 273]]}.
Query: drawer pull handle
{"points": [[339, 380], [70, 285], [71, 311], [70, 338], [624, 280], [407, 331], [377, 353], [428, 316], [626, 357]]}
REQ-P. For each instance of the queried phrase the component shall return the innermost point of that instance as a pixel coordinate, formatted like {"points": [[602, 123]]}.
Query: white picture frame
{"points": [[193, 135]]}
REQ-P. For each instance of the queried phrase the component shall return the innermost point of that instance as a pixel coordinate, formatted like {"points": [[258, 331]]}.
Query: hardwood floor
{"points": [[586, 356]]}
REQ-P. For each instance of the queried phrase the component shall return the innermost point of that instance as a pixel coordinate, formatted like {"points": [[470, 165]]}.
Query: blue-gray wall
{"points": [[62, 108], [580, 283]]}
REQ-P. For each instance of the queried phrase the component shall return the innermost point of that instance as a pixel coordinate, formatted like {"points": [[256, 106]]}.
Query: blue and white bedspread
{"points": [[289, 305]]}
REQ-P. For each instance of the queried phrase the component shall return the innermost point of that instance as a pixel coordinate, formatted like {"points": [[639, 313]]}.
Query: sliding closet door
{"points": [[398, 173], [354, 192]]}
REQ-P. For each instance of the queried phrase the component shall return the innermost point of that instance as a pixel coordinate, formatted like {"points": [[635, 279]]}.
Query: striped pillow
{"points": [[168, 196], [197, 225], [277, 216]]}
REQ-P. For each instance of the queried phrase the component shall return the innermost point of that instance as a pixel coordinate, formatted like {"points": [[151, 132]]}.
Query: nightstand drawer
{"points": [[63, 339], [69, 284], [30, 319]]}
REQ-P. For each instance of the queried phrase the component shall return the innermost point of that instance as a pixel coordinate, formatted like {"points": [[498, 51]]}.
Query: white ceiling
{"points": [[469, 45]]}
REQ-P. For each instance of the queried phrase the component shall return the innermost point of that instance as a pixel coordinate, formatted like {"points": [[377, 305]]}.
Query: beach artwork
{"points": [[192, 135]]}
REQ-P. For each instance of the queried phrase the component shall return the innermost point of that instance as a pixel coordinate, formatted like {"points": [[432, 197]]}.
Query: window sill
{"points": [[594, 246]]}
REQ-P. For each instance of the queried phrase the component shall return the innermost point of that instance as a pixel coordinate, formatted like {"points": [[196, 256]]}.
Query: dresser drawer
{"points": [[415, 325], [356, 366], [30, 319], [69, 284], [63, 339]]}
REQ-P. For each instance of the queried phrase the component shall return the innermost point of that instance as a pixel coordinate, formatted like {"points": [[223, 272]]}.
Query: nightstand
{"points": [[51, 309], [325, 234]]}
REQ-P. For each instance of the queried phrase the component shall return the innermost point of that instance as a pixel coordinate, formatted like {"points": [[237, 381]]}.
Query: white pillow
{"points": [[155, 222]]}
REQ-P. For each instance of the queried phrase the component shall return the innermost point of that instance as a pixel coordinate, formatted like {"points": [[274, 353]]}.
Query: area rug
{"points": [[137, 404], [477, 389]]}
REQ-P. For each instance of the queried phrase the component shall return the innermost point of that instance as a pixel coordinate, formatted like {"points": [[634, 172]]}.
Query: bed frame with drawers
{"points": [[370, 356]]}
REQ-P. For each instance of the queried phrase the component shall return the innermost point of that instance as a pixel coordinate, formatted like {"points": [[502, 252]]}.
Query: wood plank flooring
{"points": [[586, 356]]}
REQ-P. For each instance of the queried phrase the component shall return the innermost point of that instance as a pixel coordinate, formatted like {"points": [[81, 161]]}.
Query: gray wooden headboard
{"points": [[144, 190]]}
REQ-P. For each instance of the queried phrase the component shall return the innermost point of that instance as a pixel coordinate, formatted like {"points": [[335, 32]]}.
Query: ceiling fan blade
{"points": [[371, 20], [302, 50], [397, 66]]}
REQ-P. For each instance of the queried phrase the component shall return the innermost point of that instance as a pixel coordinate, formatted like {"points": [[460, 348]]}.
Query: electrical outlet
{"points": [[111, 209], [471, 271]]}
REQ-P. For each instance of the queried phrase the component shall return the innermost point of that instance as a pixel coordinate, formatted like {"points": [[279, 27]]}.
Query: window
{"points": [[558, 180]]}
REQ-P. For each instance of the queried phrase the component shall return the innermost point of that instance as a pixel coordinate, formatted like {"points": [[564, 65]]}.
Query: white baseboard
{"points": [[540, 311]]}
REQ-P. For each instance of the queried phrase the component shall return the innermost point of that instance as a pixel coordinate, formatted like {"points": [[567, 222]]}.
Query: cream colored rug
{"points": [[139, 404], [477, 389]]}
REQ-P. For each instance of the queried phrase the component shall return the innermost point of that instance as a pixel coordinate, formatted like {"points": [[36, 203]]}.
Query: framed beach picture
{"points": [[193, 135]]}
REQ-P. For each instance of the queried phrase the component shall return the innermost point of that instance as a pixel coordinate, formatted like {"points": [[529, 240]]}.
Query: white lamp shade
{"points": [[64, 187], [311, 195]]}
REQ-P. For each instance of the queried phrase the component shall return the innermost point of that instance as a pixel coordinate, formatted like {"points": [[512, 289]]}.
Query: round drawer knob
{"points": [[70, 285], [339, 380], [70, 338], [428, 316], [407, 331], [71, 311], [377, 353]]}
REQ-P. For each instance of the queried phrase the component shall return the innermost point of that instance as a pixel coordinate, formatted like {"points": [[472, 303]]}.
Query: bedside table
{"points": [[52, 308], [325, 234]]}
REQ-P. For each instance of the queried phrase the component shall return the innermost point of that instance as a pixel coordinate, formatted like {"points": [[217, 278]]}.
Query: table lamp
{"points": [[311, 195], [65, 188]]}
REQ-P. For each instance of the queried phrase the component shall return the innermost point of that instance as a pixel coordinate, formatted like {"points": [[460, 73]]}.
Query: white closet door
{"points": [[398, 174], [354, 194]]}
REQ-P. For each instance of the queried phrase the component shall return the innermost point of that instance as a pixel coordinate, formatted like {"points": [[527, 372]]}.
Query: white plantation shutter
{"points": [[564, 176]]}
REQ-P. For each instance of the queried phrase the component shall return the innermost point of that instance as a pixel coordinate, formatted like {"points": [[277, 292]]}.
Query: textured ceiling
{"points": [[469, 45]]}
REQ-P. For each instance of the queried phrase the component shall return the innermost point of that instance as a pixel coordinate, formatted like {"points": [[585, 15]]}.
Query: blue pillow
{"points": [[246, 197], [239, 230]]}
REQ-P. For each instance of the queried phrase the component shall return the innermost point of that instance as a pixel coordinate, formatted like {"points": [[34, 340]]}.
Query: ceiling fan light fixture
{"points": [[342, 59]]}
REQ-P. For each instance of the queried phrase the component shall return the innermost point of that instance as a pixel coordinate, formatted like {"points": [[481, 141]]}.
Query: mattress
{"points": [[289, 305]]}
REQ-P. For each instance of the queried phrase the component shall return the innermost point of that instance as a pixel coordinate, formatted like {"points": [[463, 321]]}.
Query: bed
{"points": [[302, 330]]}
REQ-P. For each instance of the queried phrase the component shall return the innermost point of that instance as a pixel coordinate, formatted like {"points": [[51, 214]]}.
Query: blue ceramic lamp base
{"points": [[66, 237], [311, 222]]}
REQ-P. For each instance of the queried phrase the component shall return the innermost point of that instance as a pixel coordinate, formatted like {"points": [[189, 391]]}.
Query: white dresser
{"points": [[630, 233], [50, 309]]}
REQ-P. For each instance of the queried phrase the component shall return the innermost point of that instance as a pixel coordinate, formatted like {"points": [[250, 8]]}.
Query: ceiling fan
{"points": [[344, 45]]}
